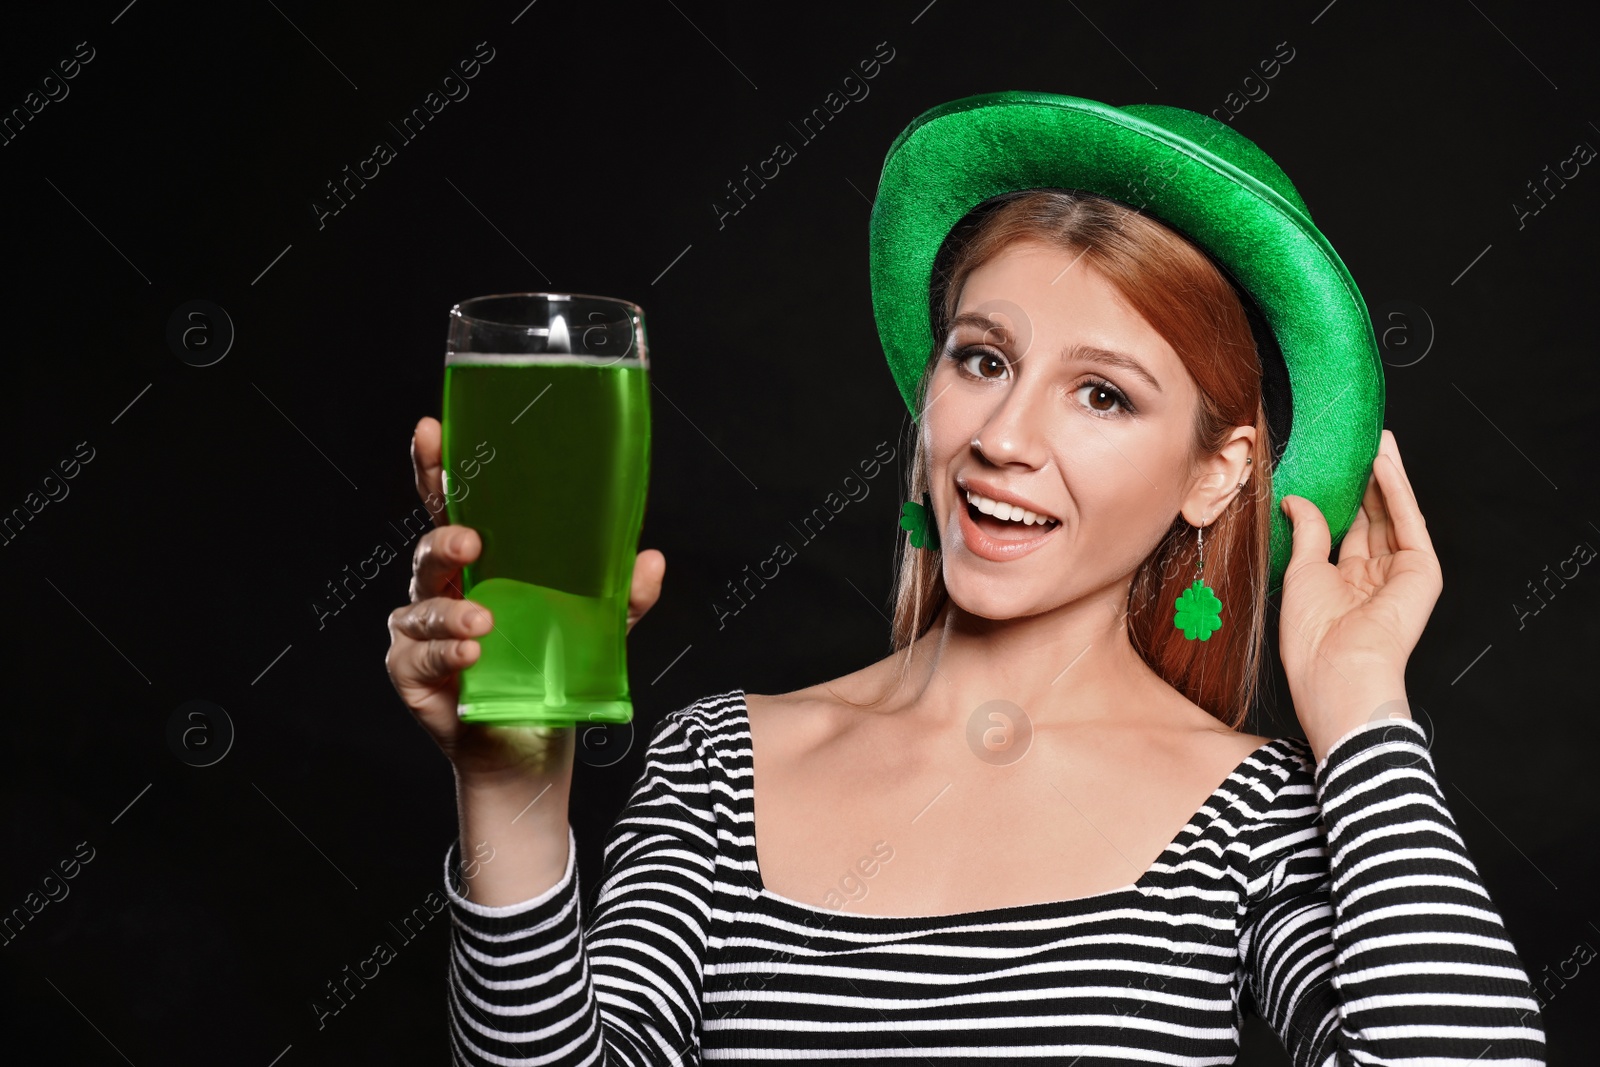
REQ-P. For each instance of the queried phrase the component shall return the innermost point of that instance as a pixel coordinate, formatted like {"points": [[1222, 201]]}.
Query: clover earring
{"points": [[917, 518], [1199, 612]]}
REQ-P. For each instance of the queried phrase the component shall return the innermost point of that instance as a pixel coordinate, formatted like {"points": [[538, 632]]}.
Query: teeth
{"points": [[1009, 512]]}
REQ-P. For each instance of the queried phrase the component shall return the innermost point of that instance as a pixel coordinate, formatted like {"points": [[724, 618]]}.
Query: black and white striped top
{"points": [[1338, 901]]}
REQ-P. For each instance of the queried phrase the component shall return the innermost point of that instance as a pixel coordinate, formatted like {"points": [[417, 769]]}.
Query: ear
{"points": [[1217, 477]]}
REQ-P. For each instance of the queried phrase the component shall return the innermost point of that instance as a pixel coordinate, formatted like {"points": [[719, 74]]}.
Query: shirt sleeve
{"points": [[530, 984], [1368, 935]]}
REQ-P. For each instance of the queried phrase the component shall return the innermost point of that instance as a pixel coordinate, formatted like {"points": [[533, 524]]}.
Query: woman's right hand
{"points": [[432, 638]]}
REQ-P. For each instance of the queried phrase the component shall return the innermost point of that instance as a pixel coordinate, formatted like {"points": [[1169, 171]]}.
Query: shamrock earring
{"points": [[1198, 609], [1199, 612], [918, 519]]}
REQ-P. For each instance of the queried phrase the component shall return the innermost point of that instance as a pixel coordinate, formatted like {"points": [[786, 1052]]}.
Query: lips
{"points": [[995, 493], [991, 546], [1003, 529]]}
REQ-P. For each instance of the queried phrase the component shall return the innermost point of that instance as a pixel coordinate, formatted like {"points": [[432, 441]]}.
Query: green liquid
{"points": [[559, 505]]}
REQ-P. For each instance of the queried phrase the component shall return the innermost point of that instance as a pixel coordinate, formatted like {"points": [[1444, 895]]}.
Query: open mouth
{"points": [[1005, 522]]}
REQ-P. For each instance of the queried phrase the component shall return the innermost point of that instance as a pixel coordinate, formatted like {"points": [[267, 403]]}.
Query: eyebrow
{"points": [[1087, 353]]}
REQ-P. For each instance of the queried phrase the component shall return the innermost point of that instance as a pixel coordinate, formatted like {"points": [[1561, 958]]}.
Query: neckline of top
{"points": [[983, 916]]}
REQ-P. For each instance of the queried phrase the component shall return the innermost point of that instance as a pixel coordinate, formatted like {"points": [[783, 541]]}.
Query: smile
{"points": [[997, 539]]}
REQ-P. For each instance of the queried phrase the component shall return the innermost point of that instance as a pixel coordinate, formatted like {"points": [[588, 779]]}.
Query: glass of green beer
{"points": [[546, 453]]}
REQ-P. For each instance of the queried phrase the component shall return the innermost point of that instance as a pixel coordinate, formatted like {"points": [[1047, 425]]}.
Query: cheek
{"points": [[1144, 461], [951, 420], [1124, 492]]}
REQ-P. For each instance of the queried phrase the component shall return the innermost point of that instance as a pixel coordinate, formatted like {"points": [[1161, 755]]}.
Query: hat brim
{"points": [[955, 156]]}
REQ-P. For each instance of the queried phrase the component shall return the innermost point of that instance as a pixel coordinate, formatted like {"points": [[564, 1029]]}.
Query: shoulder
{"points": [[1286, 861], [1280, 774], [706, 728], [712, 712], [721, 728], [1263, 767], [1276, 812], [1268, 773], [785, 726], [1279, 762]]}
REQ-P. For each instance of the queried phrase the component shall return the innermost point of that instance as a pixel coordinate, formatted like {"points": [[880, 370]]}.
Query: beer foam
{"points": [[537, 359]]}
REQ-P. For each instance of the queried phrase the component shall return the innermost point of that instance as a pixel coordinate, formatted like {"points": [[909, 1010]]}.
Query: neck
{"points": [[1071, 664]]}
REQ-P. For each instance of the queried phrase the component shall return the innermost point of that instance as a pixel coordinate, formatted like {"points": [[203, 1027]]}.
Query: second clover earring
{"points": [[918, 520], [1199, 612]]}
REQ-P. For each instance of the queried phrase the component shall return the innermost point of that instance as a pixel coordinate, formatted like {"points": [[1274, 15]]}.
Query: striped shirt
{"points": [[1338, 901]]}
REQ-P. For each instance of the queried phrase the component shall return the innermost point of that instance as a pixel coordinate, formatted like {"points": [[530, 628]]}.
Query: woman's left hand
{"points": [[1346, 631]]}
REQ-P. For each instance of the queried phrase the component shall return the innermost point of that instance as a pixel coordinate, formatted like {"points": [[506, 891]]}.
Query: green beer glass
{"points": [[546, 453]]}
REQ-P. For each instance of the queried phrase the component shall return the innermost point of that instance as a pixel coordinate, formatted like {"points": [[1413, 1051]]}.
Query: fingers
{"points": [[1354, 544], [440, 555], [1380, 531], [433, 639], [1310, 538], [425, 665], [1408, 529], [1371, 532], [439, 618], [426, 463], [649, 567]]}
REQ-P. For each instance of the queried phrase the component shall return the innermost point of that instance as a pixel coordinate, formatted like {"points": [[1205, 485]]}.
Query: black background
{"points": [[221, 499]]}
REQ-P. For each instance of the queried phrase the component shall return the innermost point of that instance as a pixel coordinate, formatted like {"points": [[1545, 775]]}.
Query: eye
{"points": [[1105, 400], [985, 357], [1102, 392]]}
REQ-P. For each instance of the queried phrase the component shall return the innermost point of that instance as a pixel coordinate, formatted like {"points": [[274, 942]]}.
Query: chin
{"points": [[993, 597]]}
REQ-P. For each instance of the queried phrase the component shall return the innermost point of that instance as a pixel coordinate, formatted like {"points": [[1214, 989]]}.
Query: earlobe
{"points": [[1203, 501]]}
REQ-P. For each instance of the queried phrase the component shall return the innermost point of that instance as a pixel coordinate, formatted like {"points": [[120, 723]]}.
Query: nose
{"points": [[1015, 431]]}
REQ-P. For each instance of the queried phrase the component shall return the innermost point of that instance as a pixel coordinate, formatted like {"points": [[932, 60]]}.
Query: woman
{"points": [[1036, 833]]}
